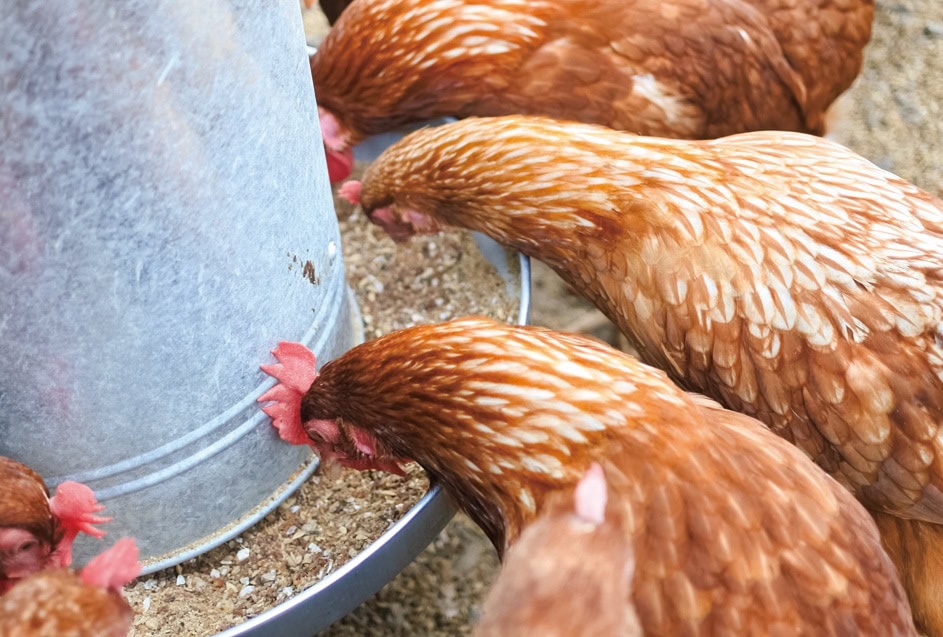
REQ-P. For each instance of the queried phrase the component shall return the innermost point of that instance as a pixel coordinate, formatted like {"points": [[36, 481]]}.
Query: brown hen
{"points": [[779, 273], [59, 603], [734, 530], [674, 68], [37, 531]]}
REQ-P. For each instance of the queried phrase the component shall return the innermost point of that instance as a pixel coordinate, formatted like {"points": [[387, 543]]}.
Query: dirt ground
{"points": [[894, 117]]}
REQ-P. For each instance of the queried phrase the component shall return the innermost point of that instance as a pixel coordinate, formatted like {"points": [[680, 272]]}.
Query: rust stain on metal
{"points": [[309, 273]]}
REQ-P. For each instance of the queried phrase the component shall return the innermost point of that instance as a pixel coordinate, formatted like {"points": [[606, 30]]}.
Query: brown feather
{"points": [[56, 603], [779, 273], [24, 502], [675, 68], [734, 529], [772, 243], [565, 576], [916, 548]]}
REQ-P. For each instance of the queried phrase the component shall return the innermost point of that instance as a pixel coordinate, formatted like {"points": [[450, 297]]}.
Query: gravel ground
{"points": [[893, 116]]}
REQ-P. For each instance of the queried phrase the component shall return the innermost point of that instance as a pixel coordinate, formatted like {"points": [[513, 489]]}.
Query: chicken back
{"points": [[674, 68], [733, 529]]}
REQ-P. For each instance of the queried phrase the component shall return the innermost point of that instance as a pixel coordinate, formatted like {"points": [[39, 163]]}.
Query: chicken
{"points": [[734, 530], [59, 603], [674, 68], [549, 587], [779, 273], [37, 531], [915, 548]]}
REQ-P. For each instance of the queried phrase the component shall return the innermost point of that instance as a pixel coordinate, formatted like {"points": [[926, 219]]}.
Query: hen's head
{"points": [[28, 530], [335, 442], [486, 408], [58, 601], [518, 179], [418, 185]]}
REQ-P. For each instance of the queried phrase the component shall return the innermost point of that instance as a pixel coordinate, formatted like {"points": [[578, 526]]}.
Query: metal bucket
{"points": [[164, 215]]}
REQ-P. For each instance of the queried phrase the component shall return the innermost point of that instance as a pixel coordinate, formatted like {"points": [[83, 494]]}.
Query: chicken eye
{"points": [[26, 546]]}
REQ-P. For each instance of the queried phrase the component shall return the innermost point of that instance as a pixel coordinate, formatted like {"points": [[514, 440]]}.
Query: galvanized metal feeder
{"points": [[165, 215], [162, 171]]}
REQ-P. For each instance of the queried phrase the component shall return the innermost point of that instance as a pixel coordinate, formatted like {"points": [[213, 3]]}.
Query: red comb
{"points": [[590, 495], [75, 505], [351, 191], [295, 372], [115, 567]]}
